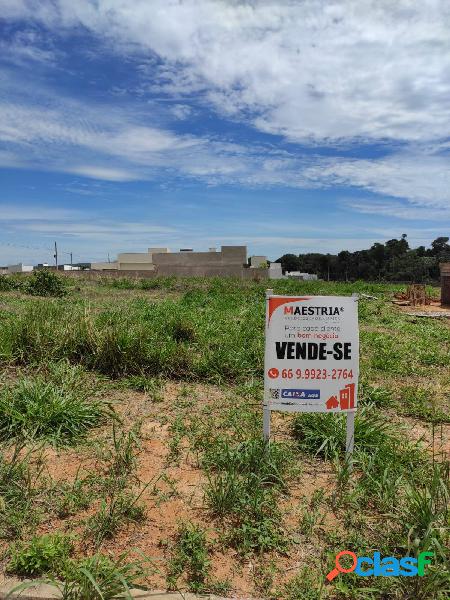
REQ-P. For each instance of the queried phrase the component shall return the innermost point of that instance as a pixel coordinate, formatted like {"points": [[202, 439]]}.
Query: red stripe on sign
{"points": [[274, 303]]}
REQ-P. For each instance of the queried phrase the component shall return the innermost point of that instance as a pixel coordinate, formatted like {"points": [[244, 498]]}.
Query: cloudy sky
{"points": [[289, 126]]}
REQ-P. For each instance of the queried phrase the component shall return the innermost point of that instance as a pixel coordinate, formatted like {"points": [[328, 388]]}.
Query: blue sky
{"points": [[287, 126]]}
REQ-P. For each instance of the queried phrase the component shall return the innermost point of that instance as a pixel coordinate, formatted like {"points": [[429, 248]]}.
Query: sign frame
{"points": [[350, 414]]}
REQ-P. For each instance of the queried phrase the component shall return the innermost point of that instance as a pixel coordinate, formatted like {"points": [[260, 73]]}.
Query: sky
{"points": [[287, 126]]}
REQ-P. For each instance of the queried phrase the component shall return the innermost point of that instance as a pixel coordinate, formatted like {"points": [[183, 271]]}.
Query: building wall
{"points": [[200, 270], [445, 283], [229, 262], [256, 261], [102, 266], [20, 268], [229, 257], [275, 271]]}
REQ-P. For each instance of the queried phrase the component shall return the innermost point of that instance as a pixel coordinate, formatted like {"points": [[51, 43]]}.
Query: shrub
{"points": [[42, 555], [8, 283], [46, 283]]}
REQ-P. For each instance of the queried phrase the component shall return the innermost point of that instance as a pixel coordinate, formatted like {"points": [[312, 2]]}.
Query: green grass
{"points": [[422, 403], [40, 556], [119, 508], [324, 434], [245, 481], [152, 386], [55, 406], [190, 557], [213, 332], [20, 485]]}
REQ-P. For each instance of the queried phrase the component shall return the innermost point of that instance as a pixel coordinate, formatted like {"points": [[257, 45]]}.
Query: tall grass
{"points": [[19, 487], [54, 406], [245, 481], [213, 330]]}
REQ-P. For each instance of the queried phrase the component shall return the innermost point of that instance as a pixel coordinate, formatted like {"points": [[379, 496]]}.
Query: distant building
{"points": [[20, 268], [257, 262], [230, 261], [275, 271], [301, 276], [68, 268]]}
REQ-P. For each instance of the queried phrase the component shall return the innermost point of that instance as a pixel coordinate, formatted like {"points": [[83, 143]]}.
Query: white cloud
{"points": [[103, 173], [315, 71], [328, 72], [13, 212], [397, 210], [422, 179]]}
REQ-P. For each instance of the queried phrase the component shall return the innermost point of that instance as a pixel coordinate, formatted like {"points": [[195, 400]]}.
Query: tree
{"points": [[394, 261], [440, 246], [289, 262]]}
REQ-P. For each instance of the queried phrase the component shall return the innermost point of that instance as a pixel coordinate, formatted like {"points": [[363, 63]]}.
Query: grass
{"points": [[100, 578], [75, 496], [20, 484], [150, 334], [190, 559], [324, 434], [421, 403], [119, 508], [55, 406], [190, 556], [207, 334], [245, 481], [94, 578], [40, 556], [152, 386]]}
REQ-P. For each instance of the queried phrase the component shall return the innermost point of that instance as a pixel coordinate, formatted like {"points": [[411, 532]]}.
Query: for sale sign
{"points": [[312, 353]]}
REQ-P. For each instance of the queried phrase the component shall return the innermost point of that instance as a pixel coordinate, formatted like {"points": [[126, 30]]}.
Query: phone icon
{"points": [[273, 373]]}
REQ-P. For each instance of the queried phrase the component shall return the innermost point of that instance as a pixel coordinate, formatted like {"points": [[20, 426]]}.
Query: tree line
{"points": [[392, 261]]}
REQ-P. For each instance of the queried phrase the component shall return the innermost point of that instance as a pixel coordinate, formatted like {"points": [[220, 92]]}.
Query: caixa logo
{"points": [[301, 394], [389, 566]]}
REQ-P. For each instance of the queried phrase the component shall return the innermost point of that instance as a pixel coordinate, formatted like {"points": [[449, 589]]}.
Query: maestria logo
{"points": [[321, 311]]}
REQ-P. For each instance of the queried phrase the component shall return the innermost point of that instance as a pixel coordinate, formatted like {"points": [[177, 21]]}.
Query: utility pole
{"points": [[56, 256], [70, 254], [109, 258]]}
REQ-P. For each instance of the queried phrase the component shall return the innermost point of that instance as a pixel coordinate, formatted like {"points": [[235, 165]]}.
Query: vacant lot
{"points": [[131, 451]]}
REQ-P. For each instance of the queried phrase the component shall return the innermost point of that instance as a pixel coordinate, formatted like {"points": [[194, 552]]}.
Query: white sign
{"points": [[312, 353]]}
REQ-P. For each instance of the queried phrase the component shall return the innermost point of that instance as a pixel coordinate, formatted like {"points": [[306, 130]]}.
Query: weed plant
{"points": [[45, 554], [190, 560], [190, 557]]}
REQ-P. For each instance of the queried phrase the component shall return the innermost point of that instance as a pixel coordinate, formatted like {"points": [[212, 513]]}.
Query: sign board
{"points": [[312, 353]]}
